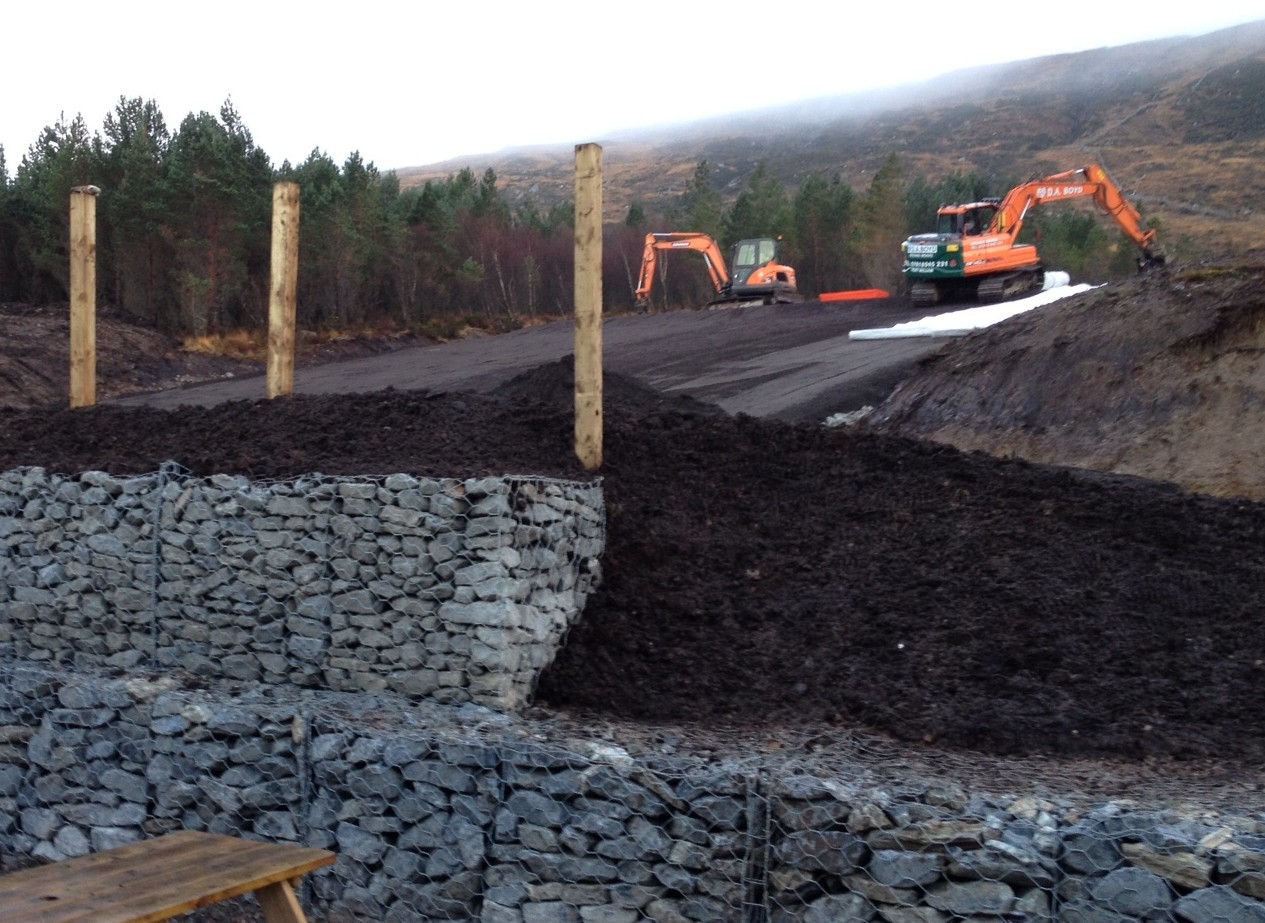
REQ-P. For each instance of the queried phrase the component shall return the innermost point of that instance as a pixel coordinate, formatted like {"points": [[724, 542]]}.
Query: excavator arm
{"points": [[1085, 182], [680, 240]]}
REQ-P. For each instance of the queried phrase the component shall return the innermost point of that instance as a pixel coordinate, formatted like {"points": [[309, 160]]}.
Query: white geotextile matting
{"points": [[960, 323]]}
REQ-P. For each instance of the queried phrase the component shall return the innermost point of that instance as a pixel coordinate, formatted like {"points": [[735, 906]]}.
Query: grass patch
{"points": [[252, 345], [1206, 273], [249, 345]]}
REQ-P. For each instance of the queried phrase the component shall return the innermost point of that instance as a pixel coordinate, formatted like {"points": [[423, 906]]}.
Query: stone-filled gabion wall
{"points": [[446, 589], [463, 813]]}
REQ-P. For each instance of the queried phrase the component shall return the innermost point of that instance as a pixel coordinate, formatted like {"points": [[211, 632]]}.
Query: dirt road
{"points": [[789, 362]]}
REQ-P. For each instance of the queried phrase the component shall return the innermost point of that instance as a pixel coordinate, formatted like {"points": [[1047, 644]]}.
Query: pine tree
{"points": [[701, 208], [320, 199], [881, 226], [826, 257], [220, 185], [134, 210], [761, 210], [59, 161], [8, 235]]}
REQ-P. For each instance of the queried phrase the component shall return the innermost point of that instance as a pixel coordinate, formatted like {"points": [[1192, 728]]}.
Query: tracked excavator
{"points": [[758, 277], [974, 250]]}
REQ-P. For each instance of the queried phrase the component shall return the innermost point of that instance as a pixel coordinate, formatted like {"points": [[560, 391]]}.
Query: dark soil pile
{"points": [[762, 574]]}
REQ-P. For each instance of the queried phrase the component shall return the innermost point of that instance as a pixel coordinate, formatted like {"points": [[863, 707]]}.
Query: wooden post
{"points": [[284, 289], [588, 305], [83, 296]]}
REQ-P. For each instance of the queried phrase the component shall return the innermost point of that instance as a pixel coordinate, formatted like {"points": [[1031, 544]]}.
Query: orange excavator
{"points": [[974, 252], [758, 275]]}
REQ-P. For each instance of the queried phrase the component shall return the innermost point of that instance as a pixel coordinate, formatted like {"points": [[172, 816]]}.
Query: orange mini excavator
{"points": [[973, 251], [758, 276]]}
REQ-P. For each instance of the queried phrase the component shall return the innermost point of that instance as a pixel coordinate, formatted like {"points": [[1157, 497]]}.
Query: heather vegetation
{"points": [[184, 220]]}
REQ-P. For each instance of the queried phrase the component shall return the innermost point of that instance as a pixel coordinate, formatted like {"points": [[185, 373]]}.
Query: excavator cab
{"points": [[965, 220], [750, 255], [758, 275]]}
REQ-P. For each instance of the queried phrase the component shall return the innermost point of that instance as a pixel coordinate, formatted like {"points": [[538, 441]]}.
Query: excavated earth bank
{"points": [[1162, 377]]}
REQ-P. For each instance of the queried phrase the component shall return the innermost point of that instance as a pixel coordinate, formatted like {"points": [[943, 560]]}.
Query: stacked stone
{"points": [[80, 777], [930, 856], [77, 560], [1194, 866], [237, 560], [26, 695], [451, 590], [408, 818], [511, 831], [937, 856], [227, 767], [442, 812], [90, 764], [608, 839]]}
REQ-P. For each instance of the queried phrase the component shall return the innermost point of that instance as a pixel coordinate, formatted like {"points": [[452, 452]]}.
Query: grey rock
{"points": [[355, 843], [129, 786], [70, 841], [904, 869], [971, 898], [1132, 892], [1218, 904], [835, 907], [1088, 851], [550, 912], [104, 838], [1081, 910], [537, 809], [838, 852], [40, 823]]}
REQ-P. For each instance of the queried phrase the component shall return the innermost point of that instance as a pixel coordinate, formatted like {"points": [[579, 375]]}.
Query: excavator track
{"points": [[992, 290], [923, 294], [1009, 285]]}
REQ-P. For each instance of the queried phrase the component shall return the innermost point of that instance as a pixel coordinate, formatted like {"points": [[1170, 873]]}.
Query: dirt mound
{"points": [[1162, 377], [35, 356], [774, 575]]}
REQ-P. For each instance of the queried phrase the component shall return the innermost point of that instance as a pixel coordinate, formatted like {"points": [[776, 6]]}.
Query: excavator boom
{"points": [[680, 240], [1086, 182]]}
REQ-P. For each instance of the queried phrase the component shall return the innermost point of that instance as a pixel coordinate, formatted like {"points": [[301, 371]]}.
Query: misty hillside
{"points": [[1179, 122]]}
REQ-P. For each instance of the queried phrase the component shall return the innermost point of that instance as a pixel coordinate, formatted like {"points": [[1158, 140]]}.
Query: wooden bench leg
{"points": [[280, 904]]}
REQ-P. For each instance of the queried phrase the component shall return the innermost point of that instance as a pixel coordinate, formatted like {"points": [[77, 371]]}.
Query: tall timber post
{"points": [[83, 296], [283, 289], [588, 305]]}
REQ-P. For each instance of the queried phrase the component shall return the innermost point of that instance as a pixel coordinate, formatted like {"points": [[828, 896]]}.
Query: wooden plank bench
{"points": [[159, 878]]}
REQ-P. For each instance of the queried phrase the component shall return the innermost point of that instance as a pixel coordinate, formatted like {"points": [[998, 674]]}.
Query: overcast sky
{"points": [[410, 84]]}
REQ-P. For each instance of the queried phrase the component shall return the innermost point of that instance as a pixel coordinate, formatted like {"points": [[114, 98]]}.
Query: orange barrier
{"points": [[856, 294]]}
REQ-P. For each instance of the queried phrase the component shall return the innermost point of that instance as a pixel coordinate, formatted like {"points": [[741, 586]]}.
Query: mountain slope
{"points": [[1179, 122]]}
